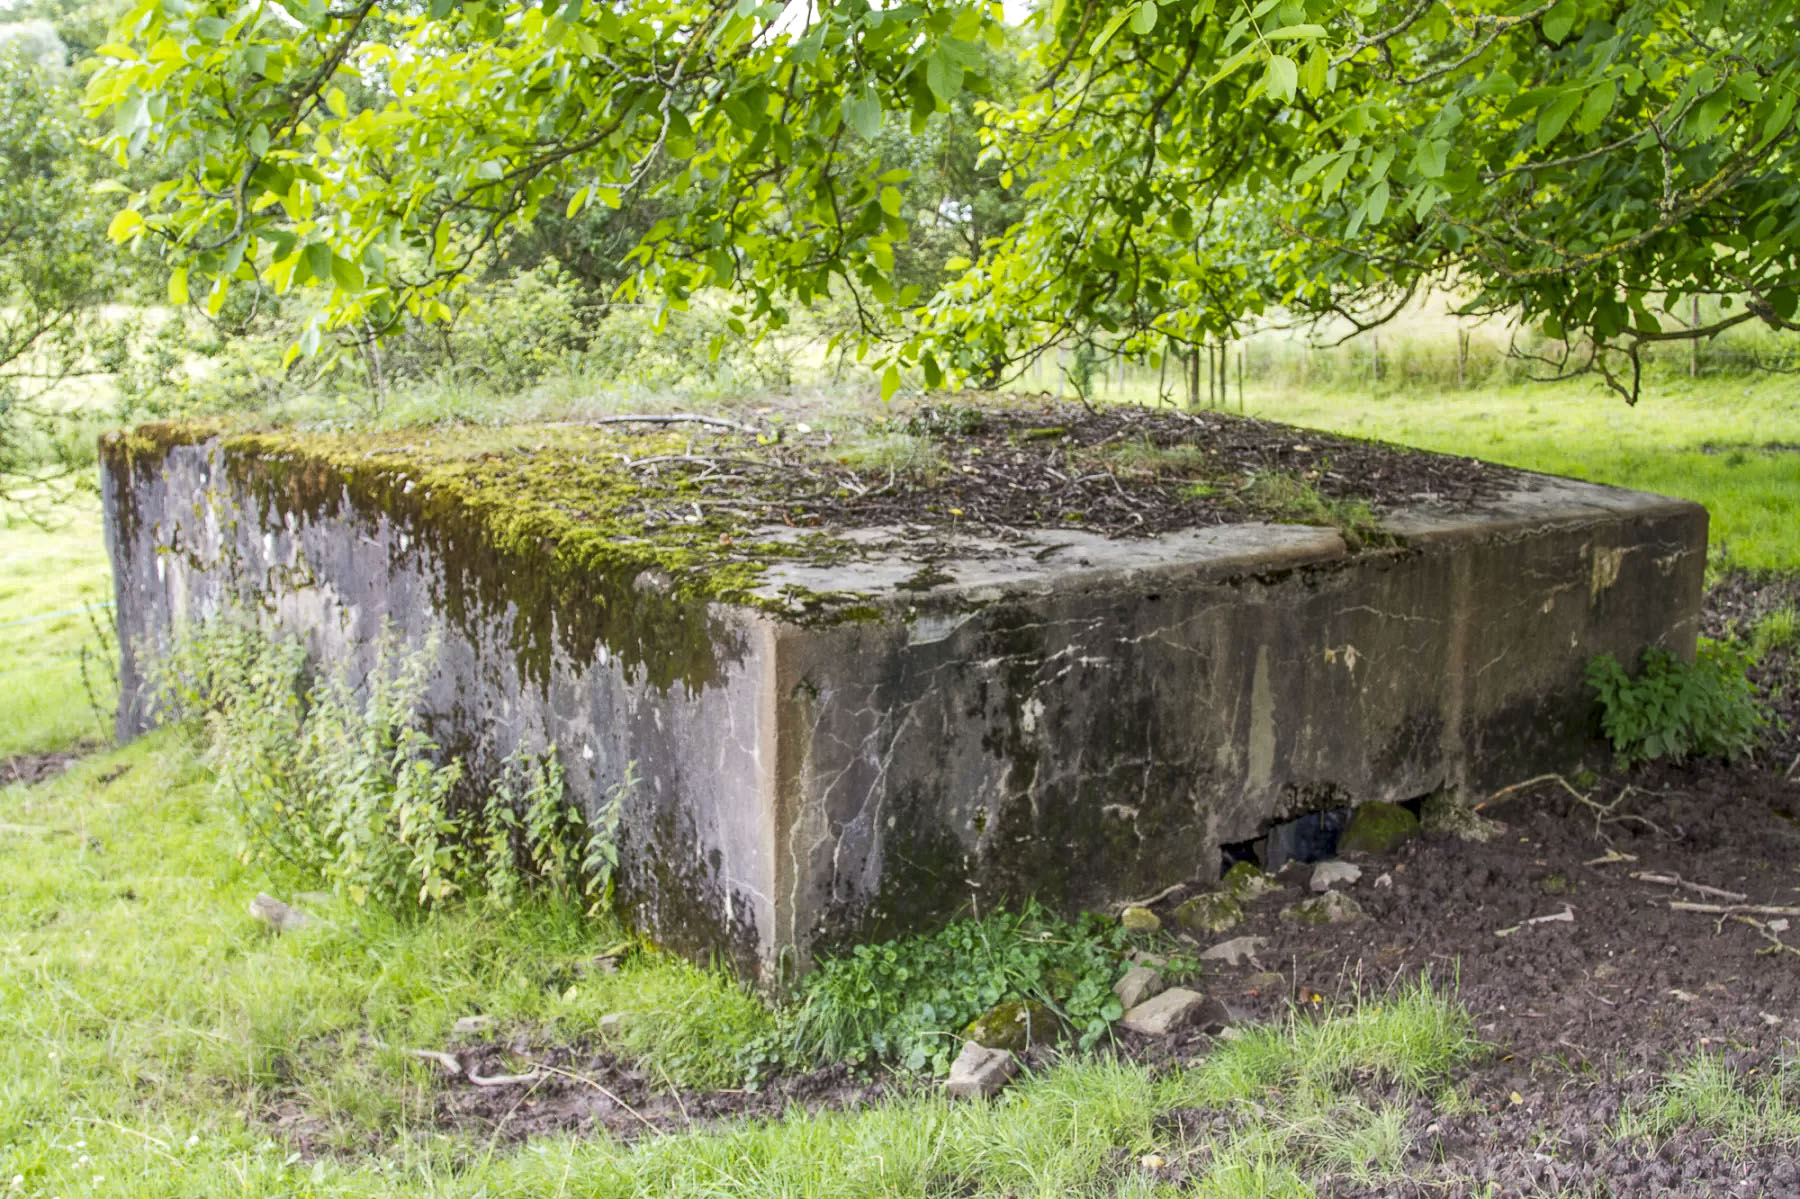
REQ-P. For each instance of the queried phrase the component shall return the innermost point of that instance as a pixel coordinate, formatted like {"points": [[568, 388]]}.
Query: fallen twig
{"points": [[1609, 857], [1566, 916], [1720, 909], [1776, 944], [447, 1061], [1531, 782], [504, 1080], [1156, 898], [1675, 880], [670, 418]]}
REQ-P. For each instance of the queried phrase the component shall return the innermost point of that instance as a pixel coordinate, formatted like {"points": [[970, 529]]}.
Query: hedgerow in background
{"points": [[339, 780], [1676, 710]]}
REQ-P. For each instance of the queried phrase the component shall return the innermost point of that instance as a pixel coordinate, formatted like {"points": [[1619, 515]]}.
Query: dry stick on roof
{"points": [[672, 418]]}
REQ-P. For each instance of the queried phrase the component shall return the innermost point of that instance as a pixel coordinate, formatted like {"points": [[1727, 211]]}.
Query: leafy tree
{"points": [[1592, 164], [55, 262]]}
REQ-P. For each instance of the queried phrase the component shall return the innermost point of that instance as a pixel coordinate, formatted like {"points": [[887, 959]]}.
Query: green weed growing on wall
{"points": [[336, 777], [1677, 710]]}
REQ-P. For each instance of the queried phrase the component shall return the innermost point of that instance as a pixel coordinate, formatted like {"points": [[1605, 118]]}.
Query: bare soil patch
{"points": [[1120, 471], [38, 768]]}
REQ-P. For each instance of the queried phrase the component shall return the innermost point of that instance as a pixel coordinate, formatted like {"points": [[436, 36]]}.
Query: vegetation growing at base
{"points": [[907, 1002], [339, 780], [1676, 710]]}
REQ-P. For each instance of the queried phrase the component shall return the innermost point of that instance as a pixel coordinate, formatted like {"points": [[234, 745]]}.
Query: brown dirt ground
{"points": [[38, 768], [1582, 1017], [1063, 465]]}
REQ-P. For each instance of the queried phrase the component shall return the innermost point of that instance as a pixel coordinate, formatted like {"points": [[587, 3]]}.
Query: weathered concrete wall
{"points": [[1077, 719]]}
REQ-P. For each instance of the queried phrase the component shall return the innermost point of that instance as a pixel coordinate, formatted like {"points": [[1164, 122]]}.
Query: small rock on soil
{"points": [[979, 1071], [1176, 1010], [1326, 875], [1139, 984]]}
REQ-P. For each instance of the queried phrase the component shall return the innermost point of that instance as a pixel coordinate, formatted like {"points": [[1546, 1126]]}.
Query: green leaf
{"points": [[1111, 27], [1297, 31], [1281, 77], [577, 202], [1598, 103], [1144, 19], [316, 260], [178, 286], [943, 77], [864, 113], [347, 274], [1378, 202], [1431, 158], [125, 222], [890, 383], [1314, 76], [890, 200], [1553, 116], [1559, 20]]}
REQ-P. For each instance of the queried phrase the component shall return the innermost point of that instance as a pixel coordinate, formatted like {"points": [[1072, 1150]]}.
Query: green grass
{"points": [[148, 1026], [1704, 441], [1704, 1092], [50, 574]]}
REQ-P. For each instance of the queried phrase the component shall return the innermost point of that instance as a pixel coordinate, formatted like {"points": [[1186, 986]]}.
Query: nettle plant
{"points": [[337, 778], [1677, 710]]}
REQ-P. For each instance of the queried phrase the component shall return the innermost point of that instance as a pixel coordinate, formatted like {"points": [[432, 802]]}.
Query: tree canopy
{"points": [[1179, 166]]}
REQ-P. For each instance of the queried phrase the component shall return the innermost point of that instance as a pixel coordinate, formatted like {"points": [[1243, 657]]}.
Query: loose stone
{"points": [[1140, 983], [979, 1072], [1333, 907], [1236, 951], [1327, 875], [1377, 827], [1210, 913], [1245, 882], [1015, 1025], [1443, 815], [1140, 920], [1175, 1010]]}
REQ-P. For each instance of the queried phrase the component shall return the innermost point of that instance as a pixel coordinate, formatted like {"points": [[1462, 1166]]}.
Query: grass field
{"points": [[149, 1028], [1732, 444], [55, 587]]}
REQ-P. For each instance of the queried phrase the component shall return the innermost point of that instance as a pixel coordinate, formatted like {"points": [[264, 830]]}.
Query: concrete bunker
{"points": [[843, 729]]}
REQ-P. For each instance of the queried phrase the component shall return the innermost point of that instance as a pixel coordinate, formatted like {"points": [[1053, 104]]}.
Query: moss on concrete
{"points": [[571, 533]]}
